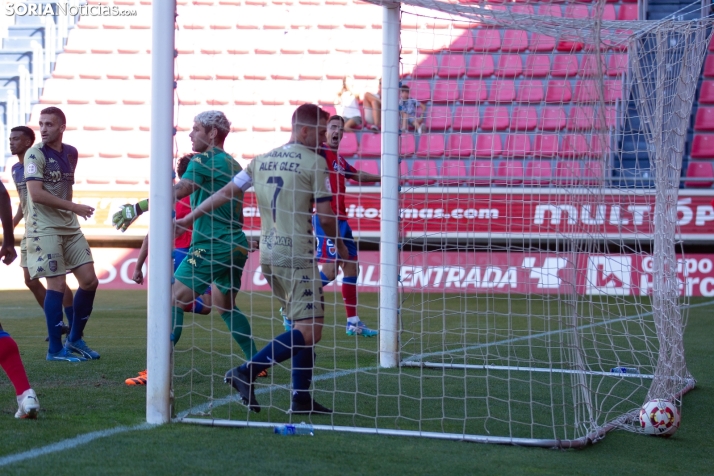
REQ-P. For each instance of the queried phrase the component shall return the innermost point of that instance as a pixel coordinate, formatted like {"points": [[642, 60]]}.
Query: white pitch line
{"points": [[70, 443]]}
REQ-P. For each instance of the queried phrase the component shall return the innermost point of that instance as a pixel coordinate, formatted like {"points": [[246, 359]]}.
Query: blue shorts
{"points": [[178, 255], [326, 249]]}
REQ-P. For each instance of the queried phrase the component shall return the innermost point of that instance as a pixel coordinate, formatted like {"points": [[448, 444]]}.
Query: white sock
{"points": [[353, 320]]}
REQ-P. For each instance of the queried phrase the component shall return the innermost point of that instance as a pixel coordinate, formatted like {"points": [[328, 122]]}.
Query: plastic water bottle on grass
{"points": [[625, 370], [298, 429]]}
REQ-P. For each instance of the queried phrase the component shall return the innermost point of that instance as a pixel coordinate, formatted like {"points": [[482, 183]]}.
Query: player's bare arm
{"points": [[43, 197], [17, 218], [366, 177], [7, 250], [229, 192], [138, 276]]}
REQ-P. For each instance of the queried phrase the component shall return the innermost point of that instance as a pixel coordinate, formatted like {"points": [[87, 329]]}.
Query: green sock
{"points": [[240, 331], [176, 324]]}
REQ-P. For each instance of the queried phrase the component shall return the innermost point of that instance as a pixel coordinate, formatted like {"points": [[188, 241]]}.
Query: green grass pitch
{"points": [[82, 398]]}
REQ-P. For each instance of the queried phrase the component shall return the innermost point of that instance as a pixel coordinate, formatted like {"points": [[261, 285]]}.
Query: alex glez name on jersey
{"points": [[285, 166]]}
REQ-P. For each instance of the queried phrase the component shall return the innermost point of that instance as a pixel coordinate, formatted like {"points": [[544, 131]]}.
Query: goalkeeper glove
{"points": [[128, 214]]}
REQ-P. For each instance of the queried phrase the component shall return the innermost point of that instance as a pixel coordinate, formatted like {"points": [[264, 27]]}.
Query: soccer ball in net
{"points": [[659, 418]]}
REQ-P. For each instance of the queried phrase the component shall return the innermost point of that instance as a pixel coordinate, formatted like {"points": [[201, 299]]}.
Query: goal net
{"points": [[539, 153]]}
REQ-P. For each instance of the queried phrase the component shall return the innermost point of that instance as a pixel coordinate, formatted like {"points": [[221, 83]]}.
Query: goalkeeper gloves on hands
{"points": [[128, 214]]}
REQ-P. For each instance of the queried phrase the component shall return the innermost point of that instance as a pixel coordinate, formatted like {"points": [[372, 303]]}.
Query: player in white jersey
{"points": [[288, 180]]}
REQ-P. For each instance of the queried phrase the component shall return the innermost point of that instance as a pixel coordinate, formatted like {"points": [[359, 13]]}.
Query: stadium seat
{"points": [[574, 146], [550, 10], [424, 171], [617, 65], [407, 145], [456, 172], [608, 13], [459, 146], [466, 119], [592, 173], [706, 95], [517, 145], [420, 90], [509, 66], [703, 146], [541, 43], [530, 91], [538, 172], [370, 145], [523, 9], [581, 118], [495, 118], [430, 146], [452, 66], [709, 67], [446, 90], [558, 92], [488, 146], [613, 90], [348, 145], [589, 66], [627, 12], [509, 172], [480, 66], [514, 41], [699, 170], [487, 41], [704, 120], [567, 172], [524, 118], [502, 91], [576, 11], [427, 67], [481, 172], [438, 118], [369, 166], [564, 66], [403, 171], [463, 43], [475, 90], [537, 66], [545, 145]]}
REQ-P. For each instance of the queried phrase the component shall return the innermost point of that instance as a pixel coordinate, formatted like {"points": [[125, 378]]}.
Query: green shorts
{"points": [[221, 265], [55, 255]]}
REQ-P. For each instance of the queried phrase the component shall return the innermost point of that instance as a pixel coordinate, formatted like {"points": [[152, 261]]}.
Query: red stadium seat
{"points": [[456, 172], [487, 41], [564, 66], [509, 172], [452, 66], [541, 43], [524, 118], [589, 66], [576, 11], [523, 9], [407, 145], [370, 145], [438, 118], [530, 91], [558, 92], [502, 91], [480, 66], [537, 66], [475, 90], [466, 119], [431, 146], [481, 172], [446, 90], [369, 166], [459, 146], [581, 118], [608, 13], [538, 172], [348, 145], [550, 10], [426, 172], [699, 170], [704, 120], [514, 41], [574, 146], [488, 146], [627, 12], [517, 145], [545, 145], [463, 43], [703, 146], [613, 90], [592, 173], [706, 95], [403, 171], [709, 66], [509, 66], [586, 91], [420, 90], [567, 172], [427, 67], [495, 118], [617, 65]]}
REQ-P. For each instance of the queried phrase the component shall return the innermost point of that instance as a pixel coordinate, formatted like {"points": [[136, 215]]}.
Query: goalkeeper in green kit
{"points": [[219, 248]]}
